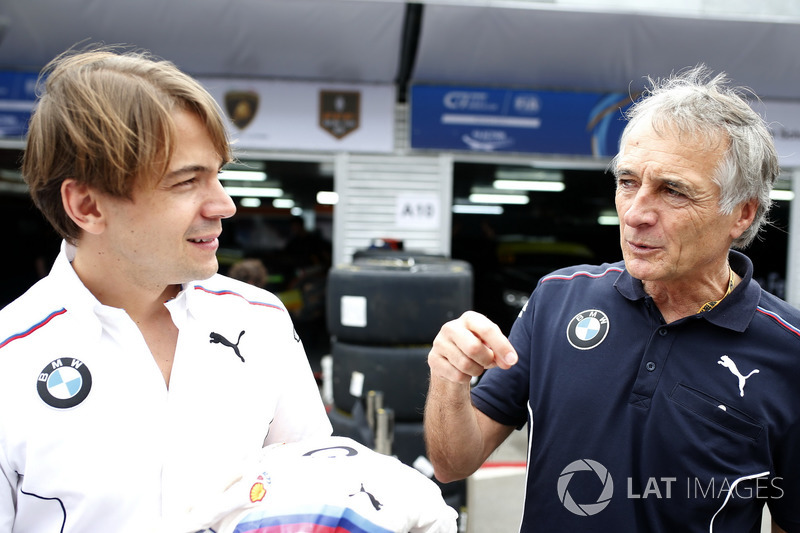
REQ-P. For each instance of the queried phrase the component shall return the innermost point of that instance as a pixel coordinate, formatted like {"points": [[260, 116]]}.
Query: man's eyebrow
{"points": [[188, 169], [621, 171]]}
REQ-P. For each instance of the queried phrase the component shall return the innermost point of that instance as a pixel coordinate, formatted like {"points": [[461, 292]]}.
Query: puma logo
{"points": [[217, 338], [375, 503], [728, 363]]}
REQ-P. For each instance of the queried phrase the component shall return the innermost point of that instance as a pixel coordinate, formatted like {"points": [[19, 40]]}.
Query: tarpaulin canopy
{"points": [[507, 44], [340, 40], [578, 49]]}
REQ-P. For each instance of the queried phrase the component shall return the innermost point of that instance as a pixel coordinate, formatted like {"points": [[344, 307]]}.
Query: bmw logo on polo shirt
{"points": [[64, 383], [587, 329]]}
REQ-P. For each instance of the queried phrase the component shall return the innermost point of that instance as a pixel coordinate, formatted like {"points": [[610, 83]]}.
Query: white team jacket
{"points": [[90, 437]]}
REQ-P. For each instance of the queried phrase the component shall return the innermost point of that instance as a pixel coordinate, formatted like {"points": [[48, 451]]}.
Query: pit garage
{"points": [[323, 200]]}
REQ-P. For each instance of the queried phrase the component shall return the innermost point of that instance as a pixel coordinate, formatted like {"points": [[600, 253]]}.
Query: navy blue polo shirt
{"points": [[637, 425]]}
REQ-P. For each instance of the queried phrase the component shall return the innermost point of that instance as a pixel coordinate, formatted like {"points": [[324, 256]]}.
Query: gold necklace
{"points": [[708, 306]]}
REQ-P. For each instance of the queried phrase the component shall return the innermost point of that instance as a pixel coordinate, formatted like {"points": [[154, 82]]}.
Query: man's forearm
{"points": [[452, 433]]}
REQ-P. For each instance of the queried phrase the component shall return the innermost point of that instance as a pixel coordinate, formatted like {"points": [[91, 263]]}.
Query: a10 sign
{"points": [[420, 211]]}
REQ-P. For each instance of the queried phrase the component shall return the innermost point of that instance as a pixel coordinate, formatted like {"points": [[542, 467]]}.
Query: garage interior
{"points": [[466, 43]]}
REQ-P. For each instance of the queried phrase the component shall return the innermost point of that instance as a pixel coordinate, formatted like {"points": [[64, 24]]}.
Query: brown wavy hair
{"points": [[104, 117]]}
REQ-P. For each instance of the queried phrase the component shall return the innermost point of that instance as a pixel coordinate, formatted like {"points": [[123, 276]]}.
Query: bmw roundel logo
{"points": [[587, 329], [64, 383]]}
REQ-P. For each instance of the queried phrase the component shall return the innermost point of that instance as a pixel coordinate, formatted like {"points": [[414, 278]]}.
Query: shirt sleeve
{"points": [[784, 490], [503, 395], [7, 489], [300, 413]]}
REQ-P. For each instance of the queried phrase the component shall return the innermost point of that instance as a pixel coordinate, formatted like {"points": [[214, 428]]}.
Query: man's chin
{"points": [[207, 274], [642, 269], [203, 272]]}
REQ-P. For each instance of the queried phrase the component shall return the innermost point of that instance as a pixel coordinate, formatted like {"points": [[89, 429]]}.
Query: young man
{"points": [[660, 391], [134, 376]]}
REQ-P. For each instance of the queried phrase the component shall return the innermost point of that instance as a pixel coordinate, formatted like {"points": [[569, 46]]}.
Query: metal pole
{"points": [[793, 252], [384, 435], [374, 403]]}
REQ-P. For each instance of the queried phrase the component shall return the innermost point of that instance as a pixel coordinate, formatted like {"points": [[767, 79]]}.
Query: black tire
{"points": [[396, 301], [351, 425], [401, 373], [360, 256]]}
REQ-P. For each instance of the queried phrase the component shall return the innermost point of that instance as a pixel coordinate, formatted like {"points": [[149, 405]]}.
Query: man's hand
{"points": [[458, 436], [467, 346]]}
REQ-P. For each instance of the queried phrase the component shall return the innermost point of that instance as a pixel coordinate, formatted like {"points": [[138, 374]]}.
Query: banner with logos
{"points": [[297, 115], [547, 122], [17, 96], [264, 114], [516, 120]]}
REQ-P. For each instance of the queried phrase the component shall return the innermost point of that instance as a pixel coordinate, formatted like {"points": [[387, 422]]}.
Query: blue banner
{"points": [[515, 120], [17, 97]]}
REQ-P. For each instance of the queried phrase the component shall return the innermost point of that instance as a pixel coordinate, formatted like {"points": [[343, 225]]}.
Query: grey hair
{"points": [[696, 105]]}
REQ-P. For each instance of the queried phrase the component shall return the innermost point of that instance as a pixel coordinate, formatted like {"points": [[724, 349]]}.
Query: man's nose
{"points": [[640, 209], [220, 204]]}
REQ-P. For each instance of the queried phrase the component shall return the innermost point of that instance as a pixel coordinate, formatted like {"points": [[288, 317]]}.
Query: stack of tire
{"points": [[383, 312]]}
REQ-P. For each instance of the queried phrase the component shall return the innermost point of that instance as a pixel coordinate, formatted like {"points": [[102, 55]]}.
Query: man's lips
{"points": [[641, 246], [209, 238]]}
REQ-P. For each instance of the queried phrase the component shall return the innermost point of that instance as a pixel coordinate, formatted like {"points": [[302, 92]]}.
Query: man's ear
{"points": [[747, 213], [81, 204]]}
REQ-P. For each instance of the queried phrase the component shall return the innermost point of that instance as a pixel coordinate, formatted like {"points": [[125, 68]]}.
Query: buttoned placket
{"points": [[653, 359]]}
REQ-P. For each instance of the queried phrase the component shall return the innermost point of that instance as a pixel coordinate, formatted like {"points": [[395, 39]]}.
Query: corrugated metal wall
{"points": [[372, 188]]}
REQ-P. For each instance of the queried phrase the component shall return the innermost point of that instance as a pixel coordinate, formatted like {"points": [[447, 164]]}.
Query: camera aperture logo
{"points": [[591, 508], [593, 488]]}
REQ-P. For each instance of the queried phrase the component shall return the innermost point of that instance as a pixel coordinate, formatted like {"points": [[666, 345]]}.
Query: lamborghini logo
{"points": [[241, 107]]}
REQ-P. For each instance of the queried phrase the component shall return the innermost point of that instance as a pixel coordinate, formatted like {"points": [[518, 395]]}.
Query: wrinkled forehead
{"points": [[690, 133], [668, 152]]}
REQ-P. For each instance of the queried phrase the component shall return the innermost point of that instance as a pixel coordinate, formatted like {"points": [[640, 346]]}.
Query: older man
{"points": [[660, 391]]}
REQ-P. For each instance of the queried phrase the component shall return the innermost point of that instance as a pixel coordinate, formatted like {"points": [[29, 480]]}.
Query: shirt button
{"points": [[662, 331], [650, 366]]}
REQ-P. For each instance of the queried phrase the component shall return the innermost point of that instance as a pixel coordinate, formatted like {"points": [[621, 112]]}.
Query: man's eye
{"points": [[675, 192]]}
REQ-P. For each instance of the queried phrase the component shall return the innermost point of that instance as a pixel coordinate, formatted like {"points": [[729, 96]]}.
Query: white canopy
{"points": [[601, 51], [535, 45], [339, 40]]}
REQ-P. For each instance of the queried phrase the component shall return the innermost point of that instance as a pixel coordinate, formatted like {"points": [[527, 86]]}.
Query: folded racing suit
{"points": [[324, 485]]}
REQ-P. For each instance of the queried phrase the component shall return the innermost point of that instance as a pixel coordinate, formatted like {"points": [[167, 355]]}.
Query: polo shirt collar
{"points": [[183, 305], [74, 295], [734, 312], [70, 287], [70, 292]]}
